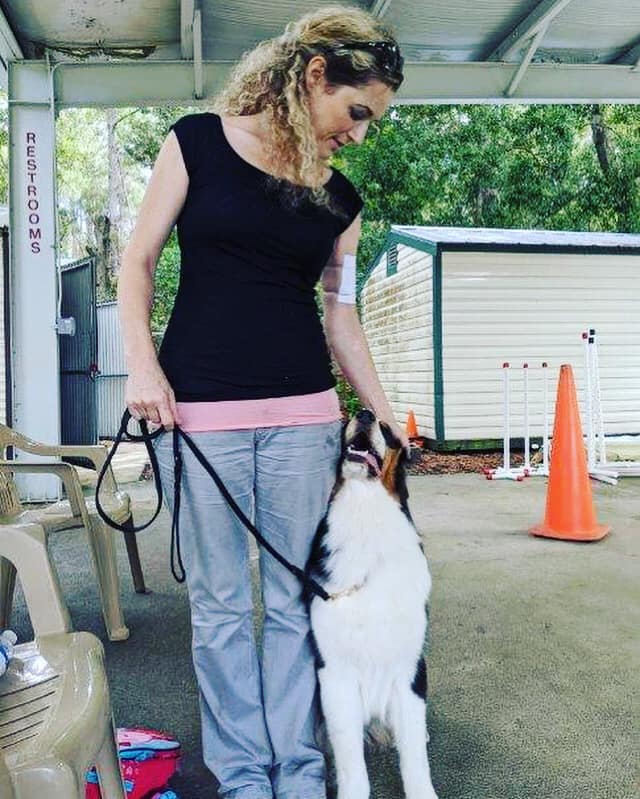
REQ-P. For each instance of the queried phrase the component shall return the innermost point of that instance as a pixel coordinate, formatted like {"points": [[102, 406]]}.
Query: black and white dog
{"points": [[370, 635]]}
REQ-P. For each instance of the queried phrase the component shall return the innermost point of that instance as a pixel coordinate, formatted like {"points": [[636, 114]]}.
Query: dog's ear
{"points": [[391, 440], [394, 478]]}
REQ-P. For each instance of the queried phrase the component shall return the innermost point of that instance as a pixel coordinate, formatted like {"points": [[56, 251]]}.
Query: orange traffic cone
{"points": [[412, 428], [569, 513]]}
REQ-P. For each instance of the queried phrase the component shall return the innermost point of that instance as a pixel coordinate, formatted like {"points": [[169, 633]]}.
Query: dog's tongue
{"points": [[366, 456]]}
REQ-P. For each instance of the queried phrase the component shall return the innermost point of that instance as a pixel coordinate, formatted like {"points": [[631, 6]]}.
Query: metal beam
{"points": [[379, 8], [10, 50], [631, 55], [517, 78], [539, 18], [116, 84], [191, 41], [542, 83], [187, 8], [198, 78], [122, 84]]}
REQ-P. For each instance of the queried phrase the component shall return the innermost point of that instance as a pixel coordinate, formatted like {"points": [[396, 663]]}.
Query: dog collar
{"points": [[365, 456], [346, 592]]}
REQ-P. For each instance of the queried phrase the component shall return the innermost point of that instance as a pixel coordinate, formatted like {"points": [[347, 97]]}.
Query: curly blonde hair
{"points": [[271, 79]]}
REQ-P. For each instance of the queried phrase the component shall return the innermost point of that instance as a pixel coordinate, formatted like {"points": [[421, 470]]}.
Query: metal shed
{"points": [[444, 308]]}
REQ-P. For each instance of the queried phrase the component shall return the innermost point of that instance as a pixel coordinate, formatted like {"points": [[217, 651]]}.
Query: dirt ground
{"points": [[132, 462], [428, 462]]}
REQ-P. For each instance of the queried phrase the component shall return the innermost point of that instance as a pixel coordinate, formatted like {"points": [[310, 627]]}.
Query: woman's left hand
{"points": [[399, 432]]}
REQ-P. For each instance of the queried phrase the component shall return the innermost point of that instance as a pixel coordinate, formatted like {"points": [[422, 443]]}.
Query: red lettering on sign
{"points": [[35, 231]]}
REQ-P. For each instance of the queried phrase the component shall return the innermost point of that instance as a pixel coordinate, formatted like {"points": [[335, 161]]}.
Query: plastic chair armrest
{"points": [[65, 472], [96, 453]]}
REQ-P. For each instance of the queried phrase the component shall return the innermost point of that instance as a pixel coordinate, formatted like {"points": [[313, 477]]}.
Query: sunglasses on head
{"points": [[387, 54]]}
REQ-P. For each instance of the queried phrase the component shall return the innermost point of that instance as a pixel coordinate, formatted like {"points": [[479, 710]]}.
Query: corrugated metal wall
{"points": [[5, 370], [531, 307], [113, 374], [397, 320], [78, 354]]}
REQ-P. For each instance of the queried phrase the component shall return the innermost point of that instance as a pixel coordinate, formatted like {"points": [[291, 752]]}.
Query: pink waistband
{"points": [[198, 417]]}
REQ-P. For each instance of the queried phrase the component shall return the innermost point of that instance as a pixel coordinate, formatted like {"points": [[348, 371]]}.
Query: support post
{"points": [[35, 370]]}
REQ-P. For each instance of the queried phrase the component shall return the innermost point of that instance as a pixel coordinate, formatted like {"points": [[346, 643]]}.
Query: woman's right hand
{"points": [[149, 396]]}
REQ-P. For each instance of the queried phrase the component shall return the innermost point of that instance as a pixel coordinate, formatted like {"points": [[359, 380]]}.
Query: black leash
{"points": [[147, 438]]}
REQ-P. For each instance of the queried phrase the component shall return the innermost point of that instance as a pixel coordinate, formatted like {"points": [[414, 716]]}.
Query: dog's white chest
{"points": [[382, 580]]}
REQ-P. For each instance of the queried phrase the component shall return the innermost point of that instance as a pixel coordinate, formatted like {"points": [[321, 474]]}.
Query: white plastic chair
{"points": [[6, 786], [76, 511], [55, 711]]}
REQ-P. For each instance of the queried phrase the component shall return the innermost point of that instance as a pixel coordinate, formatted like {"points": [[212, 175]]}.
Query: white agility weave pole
{"points": [[591, 441], [527, 455], [599, 467], [595, 426], [545, 443], [543, 469], [505, 472], [598, 422]]}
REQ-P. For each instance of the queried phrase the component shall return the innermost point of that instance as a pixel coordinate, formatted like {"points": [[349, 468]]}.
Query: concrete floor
{"points": [[533, 658], [534, 650]]}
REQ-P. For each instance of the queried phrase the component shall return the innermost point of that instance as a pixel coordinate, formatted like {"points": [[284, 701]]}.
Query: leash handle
{"points": [[146, 438]]}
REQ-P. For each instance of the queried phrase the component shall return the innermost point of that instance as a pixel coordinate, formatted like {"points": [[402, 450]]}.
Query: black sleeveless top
{"points": [[245, 322]]}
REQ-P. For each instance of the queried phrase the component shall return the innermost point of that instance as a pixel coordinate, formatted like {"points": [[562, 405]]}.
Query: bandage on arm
{"points": [[347, 287], [339, 280]]}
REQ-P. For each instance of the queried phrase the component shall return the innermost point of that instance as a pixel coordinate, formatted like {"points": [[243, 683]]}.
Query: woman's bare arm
{"points": [[346, 337], [148, 393]]}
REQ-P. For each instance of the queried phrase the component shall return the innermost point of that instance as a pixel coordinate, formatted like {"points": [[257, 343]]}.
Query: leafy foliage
{"points": [[496, 166], [4, 149], [84, 181], [554, 167], [167, 277]]}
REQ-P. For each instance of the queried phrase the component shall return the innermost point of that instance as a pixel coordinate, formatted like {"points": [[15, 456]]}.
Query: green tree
{"points": [[497, 166], [166, 281], [4, 149], [104, 160], [555, 167]]}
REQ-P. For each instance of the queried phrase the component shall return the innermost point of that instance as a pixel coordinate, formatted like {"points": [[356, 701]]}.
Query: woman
{"points": [[244, 366]]}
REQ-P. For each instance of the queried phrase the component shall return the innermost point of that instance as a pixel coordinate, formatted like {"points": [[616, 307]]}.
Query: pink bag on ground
{"points": [[148, 759]]}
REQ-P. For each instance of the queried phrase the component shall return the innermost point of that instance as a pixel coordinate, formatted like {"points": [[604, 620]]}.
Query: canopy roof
{"points": [[456, 51]]}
